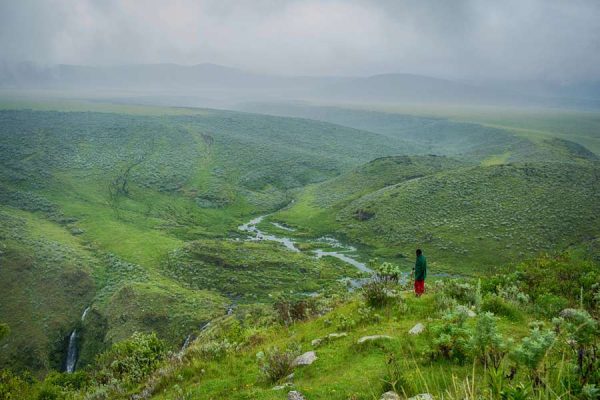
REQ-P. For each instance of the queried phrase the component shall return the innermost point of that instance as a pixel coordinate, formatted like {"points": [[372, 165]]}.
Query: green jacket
{"points": [[421, 268]]}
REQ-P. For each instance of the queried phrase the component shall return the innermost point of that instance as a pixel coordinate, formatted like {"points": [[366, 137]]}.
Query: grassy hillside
{"points": [[120, 193], [468, 218], [509, 336]]}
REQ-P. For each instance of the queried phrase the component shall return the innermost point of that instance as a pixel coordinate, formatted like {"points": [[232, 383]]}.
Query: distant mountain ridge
{"points": [[223, 81]]}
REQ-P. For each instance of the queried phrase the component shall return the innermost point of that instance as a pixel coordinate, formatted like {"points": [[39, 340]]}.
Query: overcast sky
{"points": [[529, 39]]}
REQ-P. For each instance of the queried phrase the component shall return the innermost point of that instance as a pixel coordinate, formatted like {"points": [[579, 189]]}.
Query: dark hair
{"points": [[419, 252]]}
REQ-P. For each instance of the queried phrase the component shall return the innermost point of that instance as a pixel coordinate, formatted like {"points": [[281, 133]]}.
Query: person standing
{"points": [[420, 272]]}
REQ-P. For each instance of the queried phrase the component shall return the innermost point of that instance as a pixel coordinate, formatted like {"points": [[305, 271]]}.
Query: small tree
{"points": [[4, 331], [487, 343], [533, 349]]}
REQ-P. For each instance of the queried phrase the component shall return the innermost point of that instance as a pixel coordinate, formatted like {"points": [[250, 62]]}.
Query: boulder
{"points": [[471, 313], [417, 329], [286, 385], [305, 359], [316, 342], [336, 335], [421, 396], [332, 336], [373, 338], [295, 395], [390, 396]]}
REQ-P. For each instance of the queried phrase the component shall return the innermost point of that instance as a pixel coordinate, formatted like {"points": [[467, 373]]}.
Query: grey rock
{"points": [[422, 396], [373, 338], [305, 359], [471, 313], [390, 396], [316, 342], [286, 385], [417, 329], [337, 335], [295, 395]]}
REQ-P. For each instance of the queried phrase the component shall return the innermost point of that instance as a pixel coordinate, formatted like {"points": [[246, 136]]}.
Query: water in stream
{"points": [[71, 353], [252, 228]]}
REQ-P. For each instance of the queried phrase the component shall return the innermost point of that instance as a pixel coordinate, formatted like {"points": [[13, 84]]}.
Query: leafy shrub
{"points": [[533, 349], [487, 343], [462, 292], [451, 339], [131, 360], [550, 305], [14, 387], [275, 364], [366, 315], [582, 332], [395, 378], [211, 349], [375, 294], [388, 272], [4, 331], [497, 305], [289, 311]]}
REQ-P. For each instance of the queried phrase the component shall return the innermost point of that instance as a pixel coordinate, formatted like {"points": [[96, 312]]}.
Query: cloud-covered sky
{"points": [[472, 39]]}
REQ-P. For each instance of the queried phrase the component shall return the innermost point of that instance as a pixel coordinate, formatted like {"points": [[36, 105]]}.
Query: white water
{"points": [[71, 353], [186, 343], [251, 227], [259, 235], [84, 314]]}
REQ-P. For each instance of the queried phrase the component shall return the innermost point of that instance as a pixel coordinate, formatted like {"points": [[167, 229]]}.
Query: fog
{"points": [[465, 40]]}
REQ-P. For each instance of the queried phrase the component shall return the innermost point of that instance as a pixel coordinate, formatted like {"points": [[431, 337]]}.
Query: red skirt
{"points": [[419, 287]]}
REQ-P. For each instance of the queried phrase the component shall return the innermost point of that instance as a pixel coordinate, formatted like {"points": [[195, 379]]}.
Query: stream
{"points": [[251, 227]]}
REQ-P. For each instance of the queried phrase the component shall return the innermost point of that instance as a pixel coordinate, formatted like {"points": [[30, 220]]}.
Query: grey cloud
{"points": [[469, 39]]}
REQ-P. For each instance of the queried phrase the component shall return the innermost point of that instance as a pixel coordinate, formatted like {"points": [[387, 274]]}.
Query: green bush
{"points": [[130, 360], [463, 292], [549, 305], [533, 349], [375, 294], [451, 338], [4, 331], [497, 305], [487, 343], [275, 364]]}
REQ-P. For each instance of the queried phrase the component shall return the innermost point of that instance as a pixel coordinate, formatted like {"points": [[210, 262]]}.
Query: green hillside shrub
{"points": [[533, 349], [488, 345], [451, 337], [131, 360], [275, 364], [498, 306]]}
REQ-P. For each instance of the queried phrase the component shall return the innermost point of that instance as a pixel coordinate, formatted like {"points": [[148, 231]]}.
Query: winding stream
{"points": [[258, 235]]}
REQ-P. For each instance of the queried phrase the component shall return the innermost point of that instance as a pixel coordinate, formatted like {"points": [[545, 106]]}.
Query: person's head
{"points": [[419, 252]]}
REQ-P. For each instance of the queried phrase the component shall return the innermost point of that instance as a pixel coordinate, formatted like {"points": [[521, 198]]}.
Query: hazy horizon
{"points": [[465, 40]]}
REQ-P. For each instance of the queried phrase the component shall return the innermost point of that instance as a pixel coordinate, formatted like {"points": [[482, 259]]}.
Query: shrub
{"points": [[462, 292], [4, 331], [582, 332], [487, 343], [394, 379], [275, 364], [131, 360], [289, 311], [550, 305], [388, 272], [375, 294], [211, 350], [451, 339], [497, 305], [532, 350]]}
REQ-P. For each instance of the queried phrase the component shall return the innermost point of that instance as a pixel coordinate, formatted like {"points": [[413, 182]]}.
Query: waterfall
{"points": [[186, 343], [71, 352], [84, 313]]}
